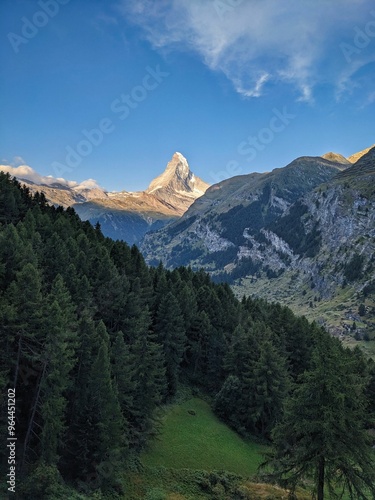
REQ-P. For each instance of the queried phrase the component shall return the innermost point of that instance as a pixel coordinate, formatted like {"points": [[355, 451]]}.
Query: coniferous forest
{"points": [[94, 341]]}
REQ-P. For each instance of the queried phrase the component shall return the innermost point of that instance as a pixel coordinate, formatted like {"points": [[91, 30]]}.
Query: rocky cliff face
{"points": [[232, 213], [177, 185], [330, 276]]}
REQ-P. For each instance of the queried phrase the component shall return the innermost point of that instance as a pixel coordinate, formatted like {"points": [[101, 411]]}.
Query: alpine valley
{"points": [[124, 370], [302, 235]]}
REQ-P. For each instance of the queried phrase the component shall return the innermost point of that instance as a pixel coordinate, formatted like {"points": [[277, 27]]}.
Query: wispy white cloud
{"points": [[258, 42], [26, 173]]}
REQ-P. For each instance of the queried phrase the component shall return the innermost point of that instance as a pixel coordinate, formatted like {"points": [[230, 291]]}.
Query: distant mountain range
{"points": [[124, 215]]}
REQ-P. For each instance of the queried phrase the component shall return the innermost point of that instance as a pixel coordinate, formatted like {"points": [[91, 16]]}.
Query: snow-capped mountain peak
{"points": [[177, 178]]}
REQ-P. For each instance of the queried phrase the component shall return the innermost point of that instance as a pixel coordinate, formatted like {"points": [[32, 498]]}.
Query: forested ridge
{"points": [[93, 340]]}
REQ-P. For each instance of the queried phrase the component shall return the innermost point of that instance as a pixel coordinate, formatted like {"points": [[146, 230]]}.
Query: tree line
{"points": [[93, 340]]}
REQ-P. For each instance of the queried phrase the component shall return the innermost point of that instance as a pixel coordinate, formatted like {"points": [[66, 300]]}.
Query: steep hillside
{"points": [[334, 279], [303, 235], [218, 228]]}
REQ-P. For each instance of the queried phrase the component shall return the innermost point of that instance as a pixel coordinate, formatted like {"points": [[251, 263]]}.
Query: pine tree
{"points": [[215, 359], [228, 403], [184, 293], [322, 436], [149, 377], [160, 286], [169, 327], [24, 326], [82, 433], [198, 345], [59, 359], [56, 257], [13, 254], [268, 382], [26, 299], [104, 411], [11, 205], [123, 368]]}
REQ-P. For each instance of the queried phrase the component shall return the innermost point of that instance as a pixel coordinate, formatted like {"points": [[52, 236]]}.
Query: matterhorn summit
{"points": [[177, 179]]}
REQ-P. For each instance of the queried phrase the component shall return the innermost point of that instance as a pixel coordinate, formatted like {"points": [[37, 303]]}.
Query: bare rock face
{"points": [[177, 185], [216, 222]]}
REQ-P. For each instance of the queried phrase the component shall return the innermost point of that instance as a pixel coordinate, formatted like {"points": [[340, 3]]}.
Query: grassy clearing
{"points": [[197, 457], [201, 441]]}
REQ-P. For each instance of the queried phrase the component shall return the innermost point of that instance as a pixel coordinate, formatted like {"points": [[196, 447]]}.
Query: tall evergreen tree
{"points": [[229, 404], [187, 302], [198, 342], [322, 436], [105, 414], [82, 434], [268, 383], [149, 377], [59, 359], [169, 327], [123, 368]]}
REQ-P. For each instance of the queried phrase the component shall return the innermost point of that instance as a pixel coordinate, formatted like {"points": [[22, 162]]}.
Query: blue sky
{"points": [[109, 90]]}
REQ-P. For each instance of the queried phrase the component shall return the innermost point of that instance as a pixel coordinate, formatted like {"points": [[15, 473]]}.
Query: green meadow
{"points": [[195, 456], [193, 437]]}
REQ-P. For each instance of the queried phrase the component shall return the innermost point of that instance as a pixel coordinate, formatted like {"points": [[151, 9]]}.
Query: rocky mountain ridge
{"points": [[128, 215], [233, 210], [303, 235]]}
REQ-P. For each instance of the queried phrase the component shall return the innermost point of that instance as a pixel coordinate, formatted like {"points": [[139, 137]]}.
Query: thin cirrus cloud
{"points": [[257, 43]]}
